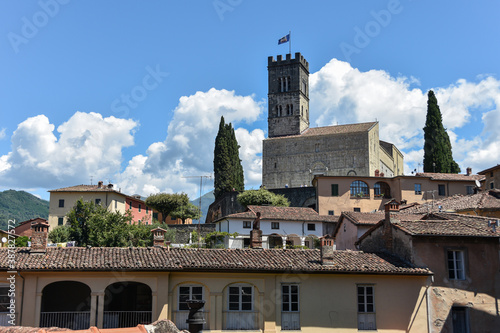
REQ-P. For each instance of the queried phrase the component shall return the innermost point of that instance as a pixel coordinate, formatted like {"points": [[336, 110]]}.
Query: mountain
{"points": [[206, 200], [21, 206]]}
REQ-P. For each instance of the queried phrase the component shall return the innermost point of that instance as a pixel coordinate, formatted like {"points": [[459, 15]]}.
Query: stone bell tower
{"points": [[288, 95]]}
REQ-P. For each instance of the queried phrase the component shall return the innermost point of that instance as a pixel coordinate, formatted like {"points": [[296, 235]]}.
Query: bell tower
{"points": [[288, 95]]}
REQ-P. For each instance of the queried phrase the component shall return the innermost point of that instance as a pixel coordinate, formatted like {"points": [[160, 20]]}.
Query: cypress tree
{"points": [[437, 146], [228, 171]]}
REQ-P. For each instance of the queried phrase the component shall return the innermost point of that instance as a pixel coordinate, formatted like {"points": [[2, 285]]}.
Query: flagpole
{"points": [[290, 44]]}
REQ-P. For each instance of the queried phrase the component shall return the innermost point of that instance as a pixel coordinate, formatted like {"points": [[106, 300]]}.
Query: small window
{"points": [[61, 202], [441, 190], [366, 308], [469, 189], [331, 212], [418, 188], [357, 209], [116, 204], [311, 226], [316, 147], [60, 220], [335, 190], [140, 208], [275, 165], [246, 243], [147, 210], [247, 224], [275, 225], [155, 216], [456, 269], [130, 205], [97, 201], [492, 186]]}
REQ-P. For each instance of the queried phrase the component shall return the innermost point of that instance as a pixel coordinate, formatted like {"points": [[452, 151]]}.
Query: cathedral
{"points": [[294, 153]]}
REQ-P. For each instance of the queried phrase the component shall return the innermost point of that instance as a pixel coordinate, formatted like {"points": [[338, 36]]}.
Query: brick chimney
{"points": [[99, 184], [39, 236], [327, 249], [390, 207], [159, 237], [469, 171]]}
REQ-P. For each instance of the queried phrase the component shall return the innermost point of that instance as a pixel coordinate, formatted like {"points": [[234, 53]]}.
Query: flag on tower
{"points": [[284, 39]]}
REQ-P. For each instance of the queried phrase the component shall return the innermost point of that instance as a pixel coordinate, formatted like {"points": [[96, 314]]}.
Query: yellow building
{"points": [[252, 290]]}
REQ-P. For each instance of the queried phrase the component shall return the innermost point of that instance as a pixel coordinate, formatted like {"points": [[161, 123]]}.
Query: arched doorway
{"points": [[66, 304], [127, 304], [275, 241]]}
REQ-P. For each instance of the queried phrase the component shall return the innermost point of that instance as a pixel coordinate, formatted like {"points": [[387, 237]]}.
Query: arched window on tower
{"points": [[288, 109], [289, 84], [281, 84], [278, 111], [291, 108]]}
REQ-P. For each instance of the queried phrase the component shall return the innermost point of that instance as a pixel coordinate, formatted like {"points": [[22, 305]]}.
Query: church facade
{"points": [[294, 153]]}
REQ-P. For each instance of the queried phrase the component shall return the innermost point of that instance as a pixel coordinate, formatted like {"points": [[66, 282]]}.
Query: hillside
{"points": [[21, 206], [206, 200]]}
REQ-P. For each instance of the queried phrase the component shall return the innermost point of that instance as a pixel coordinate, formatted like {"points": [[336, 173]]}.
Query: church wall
{"points": [[294, 161], [373, 151]]}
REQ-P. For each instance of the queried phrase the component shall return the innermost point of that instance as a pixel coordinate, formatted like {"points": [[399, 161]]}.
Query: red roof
{"points": [[282, 213], [449, 176]]}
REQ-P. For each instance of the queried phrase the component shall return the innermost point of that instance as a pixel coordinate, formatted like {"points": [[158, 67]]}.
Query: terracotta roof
{"points": [[489, 200], [282, 213], [178, 259], [449, 176], [460, 225], [85, 188], [331, 130]]}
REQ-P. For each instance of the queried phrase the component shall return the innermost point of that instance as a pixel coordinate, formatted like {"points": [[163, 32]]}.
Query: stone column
{"points": [[38, 308], [100, 309], [93, 308]]}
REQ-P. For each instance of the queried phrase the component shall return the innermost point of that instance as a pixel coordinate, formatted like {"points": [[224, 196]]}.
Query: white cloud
{"points": [[188, 148], [342, 94], [88, 144], [2, 133]]}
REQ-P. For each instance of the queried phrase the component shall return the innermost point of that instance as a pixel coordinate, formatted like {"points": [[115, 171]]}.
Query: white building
{"points": [[281, 226]]}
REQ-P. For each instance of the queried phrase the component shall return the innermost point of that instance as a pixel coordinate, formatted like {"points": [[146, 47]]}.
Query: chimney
{"points": [[159, 237], [469, 171], [39, 236], [377, 173], [326, 250], [390, 207], [110, 185], [256, 234], [99, 184]]}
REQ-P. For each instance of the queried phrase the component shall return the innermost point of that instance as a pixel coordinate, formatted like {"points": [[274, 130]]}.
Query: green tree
{"points": [[60, 234], [228, 171], [21, 241], [262, 197], [94, 225], [437, 146], [166, 203], [184, 212]]}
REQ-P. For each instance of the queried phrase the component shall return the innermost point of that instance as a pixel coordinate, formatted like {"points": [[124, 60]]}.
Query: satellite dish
{"points": [[478, 184], [4, 239]]}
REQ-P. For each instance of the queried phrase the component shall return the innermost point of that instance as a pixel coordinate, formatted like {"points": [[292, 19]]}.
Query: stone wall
{"points": [[184, 230]]}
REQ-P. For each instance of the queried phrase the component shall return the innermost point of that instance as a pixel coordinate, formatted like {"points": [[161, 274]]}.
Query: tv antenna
{"points": [[201, 187]]}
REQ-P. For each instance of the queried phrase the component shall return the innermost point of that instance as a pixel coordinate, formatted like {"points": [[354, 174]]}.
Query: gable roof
{"points": [[496, 167], [489, 200], [202, 260], [86, 188], [331, 130], [281, 213]]}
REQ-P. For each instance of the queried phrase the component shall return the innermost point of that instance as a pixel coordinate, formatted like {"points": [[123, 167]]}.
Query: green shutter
{"points": [[335, 190]]}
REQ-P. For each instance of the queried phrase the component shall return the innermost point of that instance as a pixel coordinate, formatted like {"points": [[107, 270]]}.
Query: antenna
{"points": [[199, 206], [91, 178]]}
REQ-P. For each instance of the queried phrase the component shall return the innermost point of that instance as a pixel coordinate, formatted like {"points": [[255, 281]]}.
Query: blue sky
{"points": [[132, 92]]}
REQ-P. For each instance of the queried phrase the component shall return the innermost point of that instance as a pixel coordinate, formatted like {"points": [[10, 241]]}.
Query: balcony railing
{"points": [[77, 320], [119, 319]]}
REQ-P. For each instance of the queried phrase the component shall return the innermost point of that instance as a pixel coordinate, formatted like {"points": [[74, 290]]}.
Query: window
{"points": [[241, 314], [97, 201], [60, 220], [240, 298], [189, 292], [4, 304], [130, 205], [357, 209], [275, 225], [290, 316], [246, 243], [335, 190], [469, 189], [382, 190], [331, 212], [492, 186], [247, 224], [61, 202], [418, 188], [155, 216], [311, 226], [116, 204], [147, 210], [316, 147], [366, 308], [359, 189], [459, 319], [456, 265], [441, 190]]}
